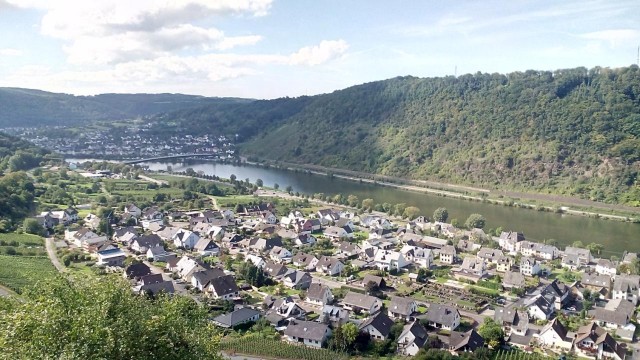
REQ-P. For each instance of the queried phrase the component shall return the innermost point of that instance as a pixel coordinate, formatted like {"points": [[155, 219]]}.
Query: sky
{"points": [[277, 48]]}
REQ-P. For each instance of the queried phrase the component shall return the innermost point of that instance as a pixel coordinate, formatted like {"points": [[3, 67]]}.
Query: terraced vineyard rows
{"points": [[18, 272], [518, 355], [253, 345]]}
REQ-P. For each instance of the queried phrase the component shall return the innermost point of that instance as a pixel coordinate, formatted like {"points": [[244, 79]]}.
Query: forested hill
{"points": [[26, 107], [573, 131]]}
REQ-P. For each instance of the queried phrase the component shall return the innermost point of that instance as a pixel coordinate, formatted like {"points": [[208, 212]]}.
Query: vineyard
{"points": [[517, 355], [18, 272], [21, 244], [253, 345]]}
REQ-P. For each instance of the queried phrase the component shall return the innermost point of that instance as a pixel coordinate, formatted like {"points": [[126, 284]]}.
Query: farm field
{"points": [[18, 272], [254, 345]]}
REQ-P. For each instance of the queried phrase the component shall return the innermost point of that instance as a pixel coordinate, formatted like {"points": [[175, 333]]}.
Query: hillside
{"points": [[573, 131], [26, 107]]}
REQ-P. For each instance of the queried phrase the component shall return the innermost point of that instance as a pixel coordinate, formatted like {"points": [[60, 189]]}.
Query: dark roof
{"points": [[149, 240], [419, 332], [236, 317], [600, 336], [157, 287], [306, 330], [137, 270], [204, 276], [224, 285], [128, 229], [556, 326], [401, 305], [275, 270], [373, 278], [151, 279], [470, 340], [380, 322]]}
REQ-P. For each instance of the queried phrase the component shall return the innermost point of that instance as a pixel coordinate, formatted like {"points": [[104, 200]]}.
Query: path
{"points": [[155, 181], [4, 291], [51, 251]]}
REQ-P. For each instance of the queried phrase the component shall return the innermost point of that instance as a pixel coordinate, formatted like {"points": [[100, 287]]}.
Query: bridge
{"points": [[168, 157]]}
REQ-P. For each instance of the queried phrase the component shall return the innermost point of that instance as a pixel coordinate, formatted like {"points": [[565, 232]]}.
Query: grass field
{"points": [[21, 244], [18, 272]]}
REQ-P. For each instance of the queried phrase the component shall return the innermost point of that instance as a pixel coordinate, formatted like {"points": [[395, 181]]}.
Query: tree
{"points": [[352, 200], [350, 332], [577, 244], [276, 186], [492, 332], [289, 189], [259, 182], [367, 204], [595, 248], [108, 321], [398, 209], [440, 214], [32, 226], [371, 287], [475, 221], [232, 177], [411, 212]]}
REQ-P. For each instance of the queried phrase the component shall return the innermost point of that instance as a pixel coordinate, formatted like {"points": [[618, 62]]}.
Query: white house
{"points": [[413, 338], [255, 260], [388, 260], [280, 255], [329, 266], [529, 266], [319, 294], [309, 333], [133, 210], [553, 336], [447, 254], [421, 257], [185, 239], [606, 267]]}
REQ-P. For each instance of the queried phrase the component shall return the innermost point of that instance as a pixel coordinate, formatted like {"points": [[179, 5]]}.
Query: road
{"points": [[51, 252]]}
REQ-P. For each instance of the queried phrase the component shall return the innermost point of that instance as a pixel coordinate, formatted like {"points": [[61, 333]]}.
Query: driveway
{"points": [[51, 252]]}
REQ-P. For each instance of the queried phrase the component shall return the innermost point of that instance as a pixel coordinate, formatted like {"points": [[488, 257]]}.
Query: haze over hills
{"points": [[573, 131], [28, 107]]}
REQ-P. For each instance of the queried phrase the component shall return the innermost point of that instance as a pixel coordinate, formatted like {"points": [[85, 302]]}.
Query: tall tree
{"points": [[440, 214]]}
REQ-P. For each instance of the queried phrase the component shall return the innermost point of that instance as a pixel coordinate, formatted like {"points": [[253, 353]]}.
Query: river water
{"points": [[537, 226]]}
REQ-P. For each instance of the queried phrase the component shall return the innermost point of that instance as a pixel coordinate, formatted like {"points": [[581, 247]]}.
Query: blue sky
{"points": [[275, 48]]}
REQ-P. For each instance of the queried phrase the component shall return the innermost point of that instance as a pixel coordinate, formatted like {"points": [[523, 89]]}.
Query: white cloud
{"points": [[10, 52], [614, 37], [315, 55]]}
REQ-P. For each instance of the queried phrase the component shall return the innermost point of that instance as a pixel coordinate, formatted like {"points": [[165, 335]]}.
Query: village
{"points": [[404, 285]]}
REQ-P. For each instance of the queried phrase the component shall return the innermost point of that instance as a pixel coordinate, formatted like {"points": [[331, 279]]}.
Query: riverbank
{"points": [[554, 203]]}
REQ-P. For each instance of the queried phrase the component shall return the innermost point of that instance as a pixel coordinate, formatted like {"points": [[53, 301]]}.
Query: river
{"points": [[537, 226]]}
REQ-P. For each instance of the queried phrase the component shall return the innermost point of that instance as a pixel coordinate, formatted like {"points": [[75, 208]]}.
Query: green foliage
{"points": [[571, 131], [475, 221], [491, 332], [18, 272], [440, 214], [32, 226], [411, 212], [261, 346], [103, 319], [17, 193]]}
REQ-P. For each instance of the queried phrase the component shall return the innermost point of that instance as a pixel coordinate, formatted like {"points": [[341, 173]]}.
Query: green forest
{"points": [[574, 132]]}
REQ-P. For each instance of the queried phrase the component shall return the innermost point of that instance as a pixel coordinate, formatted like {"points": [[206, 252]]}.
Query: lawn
{"points": [[18, 272]]}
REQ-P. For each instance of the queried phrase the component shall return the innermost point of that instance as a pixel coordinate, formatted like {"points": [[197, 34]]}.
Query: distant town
{"points": [[340, 276]]}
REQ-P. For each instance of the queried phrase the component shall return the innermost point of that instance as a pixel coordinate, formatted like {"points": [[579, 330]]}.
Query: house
{"points": [[296, 279], [512, 321], [280, 254], [156, 287], [206, 247], [329, 266], [255, 260], [186, 267], [513, 280], [557, 293], [308, 333], [319, 294], [185, 239], [472, 268], [626, 287], [223, 287], [215, 232], [529, 266], [231, 240], [469, 341], [583, 254], [606, 267], [592, 341], [284, 308], [504, 264], [136, 271], [378, 326], [159, 254], [145, 242], [413, 338], [553, 336], [200, 279], [489, 255], [422, 258], [111, 257], [304, 240], [467, 246], [572, 262], [402, 308], [237, 317], [274, 270], [448, 254], [333, 315], [508, 241], [540, 308], [337, 233], [133, 210], [92, 221], [348, 249], [268, 217], [84, 238], [152, 213], [546, 252], [305, 261], [125, 235], [262, 244], [443, 317], [600, 284], [361, 302], [167, 233], [616, 315], [389, 260]]}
